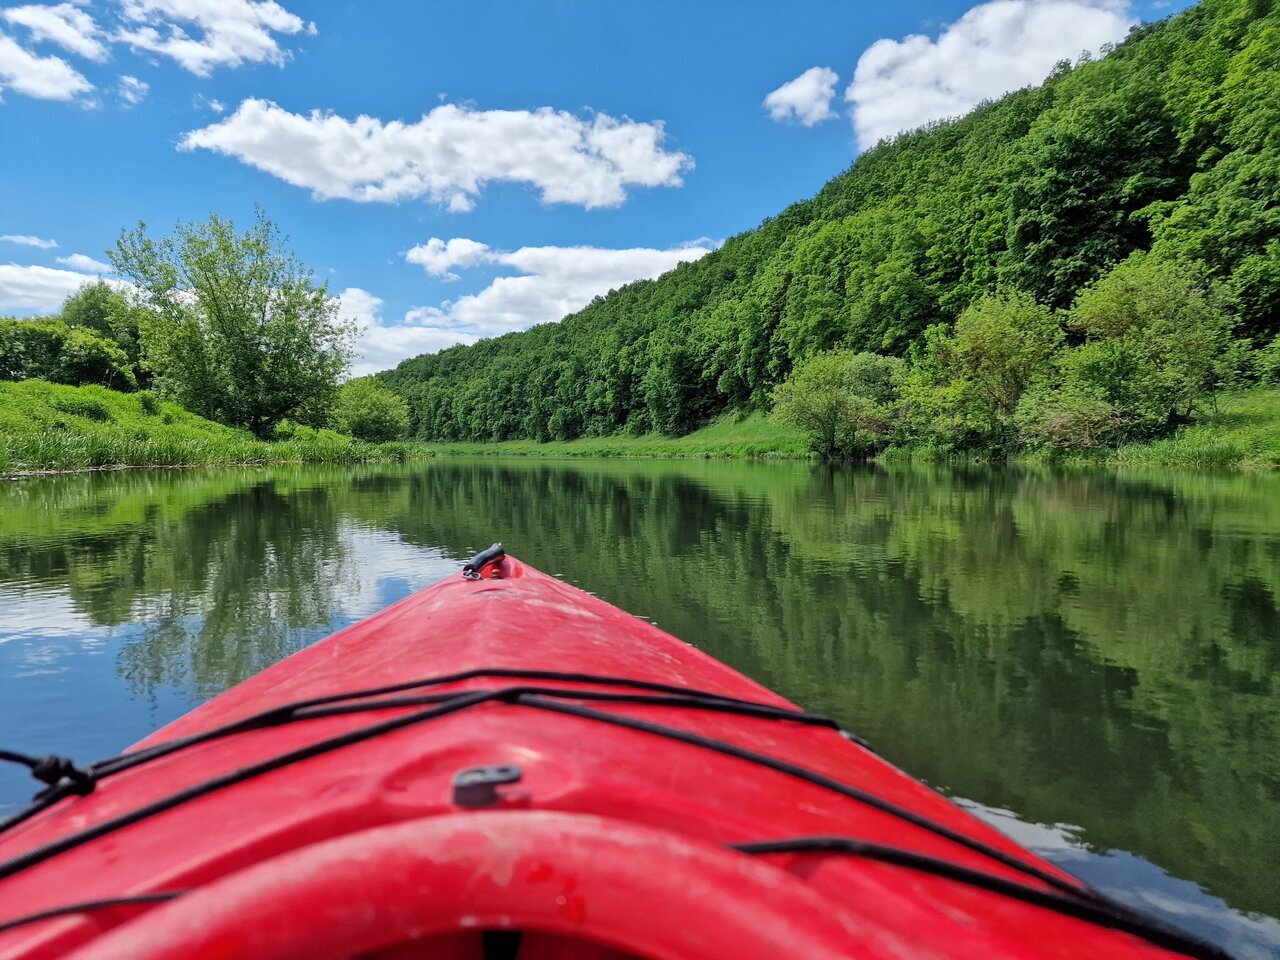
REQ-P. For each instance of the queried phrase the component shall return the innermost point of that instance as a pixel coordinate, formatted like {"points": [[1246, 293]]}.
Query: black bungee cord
{"points": [[1070, 898]]}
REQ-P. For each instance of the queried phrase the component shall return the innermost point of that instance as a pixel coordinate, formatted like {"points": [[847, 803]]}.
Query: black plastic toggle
{"points": [[471, 569], [478, 786]]}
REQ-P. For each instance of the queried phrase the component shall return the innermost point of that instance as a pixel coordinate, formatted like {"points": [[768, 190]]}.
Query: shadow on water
{"points": [[1081, 647]]}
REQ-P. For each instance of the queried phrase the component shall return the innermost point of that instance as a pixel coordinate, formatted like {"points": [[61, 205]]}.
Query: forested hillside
{"points": [[1170, 143]]}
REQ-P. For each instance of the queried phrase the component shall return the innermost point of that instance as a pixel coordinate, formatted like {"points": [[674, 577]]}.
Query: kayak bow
{"points": [[502, 766]]}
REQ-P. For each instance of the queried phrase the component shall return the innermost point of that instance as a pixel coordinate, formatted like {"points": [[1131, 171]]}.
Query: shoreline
{"points": [[208, 465], [64, 430], [1242, 433]]}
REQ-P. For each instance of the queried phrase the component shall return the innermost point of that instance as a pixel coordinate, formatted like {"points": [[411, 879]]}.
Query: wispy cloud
{"points": [[382, 345], [551, 282], [132, 90], [198, 35], [80, 261], [64, 24], [44, 78], [228, 33], [25, 287], [27, 240]]}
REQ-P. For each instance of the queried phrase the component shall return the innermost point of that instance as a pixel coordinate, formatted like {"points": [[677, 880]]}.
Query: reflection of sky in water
{"points": [[1141, 884], [60, 686]]}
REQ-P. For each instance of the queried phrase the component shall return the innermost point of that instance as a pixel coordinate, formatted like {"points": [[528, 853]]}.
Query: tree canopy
{"points": [[48, 348], [235, 327]]}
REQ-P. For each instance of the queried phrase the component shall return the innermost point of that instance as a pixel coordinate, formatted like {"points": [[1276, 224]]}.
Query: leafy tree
{"points": [[100, 308], [88, 358], [1267, 362], [48, 349], [844, 401], [237, 329], [368, 411], [1156, 346], [1087, 168], [29, 348], [1165, 330], [967, 381]]}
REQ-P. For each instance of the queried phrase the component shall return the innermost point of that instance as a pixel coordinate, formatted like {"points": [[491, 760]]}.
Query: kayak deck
{"points": [[512, 726]]}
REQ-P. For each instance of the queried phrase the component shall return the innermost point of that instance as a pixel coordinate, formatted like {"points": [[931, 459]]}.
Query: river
{"points": [[1089, 659]]}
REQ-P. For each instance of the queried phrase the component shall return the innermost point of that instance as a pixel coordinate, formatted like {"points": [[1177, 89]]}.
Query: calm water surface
{"points": [[1090, 660]]}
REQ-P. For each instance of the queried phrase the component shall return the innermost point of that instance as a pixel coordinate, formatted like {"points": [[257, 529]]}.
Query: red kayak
{"points": [[502, 767]]}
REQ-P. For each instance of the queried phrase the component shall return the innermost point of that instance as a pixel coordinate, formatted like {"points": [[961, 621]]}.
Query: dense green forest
{"points": [[1167, 148]]}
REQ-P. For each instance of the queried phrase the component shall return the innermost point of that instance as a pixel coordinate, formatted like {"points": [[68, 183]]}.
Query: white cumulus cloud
{"points": [[27, 240], [551, 281], [806, 99], [132, 90], [439, 257], [358, 305], [381, 345], [994, 48], [44, 78], [26, 287], [449, 155], [64, 24], [227, 33], [80, 261]]}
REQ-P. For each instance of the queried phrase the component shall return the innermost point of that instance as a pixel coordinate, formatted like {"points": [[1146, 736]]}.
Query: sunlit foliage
{"points": [[1166, 145]]}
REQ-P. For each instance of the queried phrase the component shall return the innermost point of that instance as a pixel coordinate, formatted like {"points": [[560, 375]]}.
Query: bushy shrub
{"points": [[370, 412], [1158, 342], [285, 430], [1060, 420], [48, 349], [965, 384], [1156, 345], [1266, 362], [86, 358], [843, 401]]}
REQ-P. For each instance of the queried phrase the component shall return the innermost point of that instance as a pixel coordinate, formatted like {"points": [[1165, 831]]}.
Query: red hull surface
{"points": [[605, 814]]}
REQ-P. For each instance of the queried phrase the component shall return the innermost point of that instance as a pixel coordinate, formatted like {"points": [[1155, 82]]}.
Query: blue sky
{"points": [[457, 170]]}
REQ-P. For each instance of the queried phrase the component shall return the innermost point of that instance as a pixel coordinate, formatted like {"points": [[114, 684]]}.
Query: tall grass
{"points": [[1244, 431], [44, 426]]}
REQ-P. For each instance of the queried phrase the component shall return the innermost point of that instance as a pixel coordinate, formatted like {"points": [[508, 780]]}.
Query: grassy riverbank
{"points": [[1243, 432], [44, 426], [731, 438]]}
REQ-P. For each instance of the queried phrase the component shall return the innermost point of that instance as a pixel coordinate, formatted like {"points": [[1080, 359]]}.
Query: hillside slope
{"points": [[1170, 143]]}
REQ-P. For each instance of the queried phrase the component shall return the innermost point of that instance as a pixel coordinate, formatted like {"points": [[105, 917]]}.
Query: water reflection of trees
{"points": [[222, 574], [1081, 647]]}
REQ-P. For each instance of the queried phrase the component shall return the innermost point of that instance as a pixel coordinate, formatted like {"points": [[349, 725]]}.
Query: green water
{"points": [[1089, 659]]}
